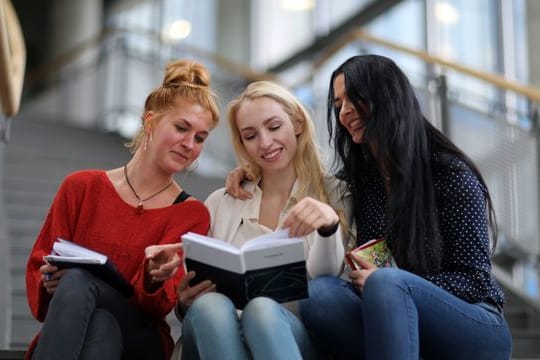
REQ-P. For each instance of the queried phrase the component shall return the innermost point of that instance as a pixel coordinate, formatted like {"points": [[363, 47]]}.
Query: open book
{"points": [[375, 251], [271, 265], [66, 254]]}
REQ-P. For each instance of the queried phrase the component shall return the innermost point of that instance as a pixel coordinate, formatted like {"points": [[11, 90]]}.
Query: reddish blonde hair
{"points": [[186, 80]]}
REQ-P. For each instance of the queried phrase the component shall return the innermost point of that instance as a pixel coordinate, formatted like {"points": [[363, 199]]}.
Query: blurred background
{"points": [[74, 76]]}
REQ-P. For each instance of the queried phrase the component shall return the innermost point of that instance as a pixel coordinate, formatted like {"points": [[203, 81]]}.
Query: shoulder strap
{"points": [[180, 198]]}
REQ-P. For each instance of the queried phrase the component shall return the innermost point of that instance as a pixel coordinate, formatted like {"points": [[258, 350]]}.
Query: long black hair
{"points": [[400, 143]]}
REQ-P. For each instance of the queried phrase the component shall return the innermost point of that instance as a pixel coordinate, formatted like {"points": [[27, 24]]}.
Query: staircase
{"points": [[37, 158], [523, 316]]}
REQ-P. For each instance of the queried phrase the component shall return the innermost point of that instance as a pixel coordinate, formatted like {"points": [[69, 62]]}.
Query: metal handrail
{"points": [[531, 92]]}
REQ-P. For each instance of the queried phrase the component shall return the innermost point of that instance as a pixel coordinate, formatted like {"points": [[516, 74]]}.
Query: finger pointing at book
{"points": [[163, 260], [309, 215]]}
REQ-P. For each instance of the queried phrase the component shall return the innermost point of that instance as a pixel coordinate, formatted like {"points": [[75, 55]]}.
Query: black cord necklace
{"points": [[140, 207]]}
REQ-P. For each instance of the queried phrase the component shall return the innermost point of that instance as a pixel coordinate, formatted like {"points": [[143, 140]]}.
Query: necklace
{"points": [[140, 207]]}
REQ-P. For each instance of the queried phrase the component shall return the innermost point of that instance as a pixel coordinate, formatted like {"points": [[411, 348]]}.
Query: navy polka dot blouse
{"points": [[466, 267]]}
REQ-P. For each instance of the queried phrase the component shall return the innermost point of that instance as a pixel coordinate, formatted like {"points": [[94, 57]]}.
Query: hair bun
{"points": [[184, 72]]}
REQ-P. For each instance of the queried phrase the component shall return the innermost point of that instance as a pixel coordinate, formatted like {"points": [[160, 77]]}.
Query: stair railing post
{"points": [[442, 92], [5, 128], [535, 118]]}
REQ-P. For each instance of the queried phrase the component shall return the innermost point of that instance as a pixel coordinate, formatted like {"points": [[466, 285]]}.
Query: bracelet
{"points": [[327, 231]]}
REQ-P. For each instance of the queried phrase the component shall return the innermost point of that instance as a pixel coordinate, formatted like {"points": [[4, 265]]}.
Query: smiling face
{"points": [[348, 115], [267, 134], [178, 135]]}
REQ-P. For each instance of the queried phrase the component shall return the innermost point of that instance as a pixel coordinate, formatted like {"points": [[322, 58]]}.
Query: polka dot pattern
{"points": [[466, 265]]}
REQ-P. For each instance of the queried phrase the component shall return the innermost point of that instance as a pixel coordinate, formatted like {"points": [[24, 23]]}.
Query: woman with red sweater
{"points": [[121, 213]]}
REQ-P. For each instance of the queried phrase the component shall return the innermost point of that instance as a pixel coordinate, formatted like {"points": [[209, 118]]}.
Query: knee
{"points": [[261, 309], [72, 286], [383, 280], [263, 313], [210, 307]]}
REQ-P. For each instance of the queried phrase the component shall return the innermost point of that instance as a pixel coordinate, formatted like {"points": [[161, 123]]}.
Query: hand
{"points": [[233, 184], [309, 215], [50, 276], [188, 294], [359, 277], [163, 261]]}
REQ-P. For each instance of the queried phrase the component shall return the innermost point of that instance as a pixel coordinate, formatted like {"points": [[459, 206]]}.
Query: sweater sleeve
{"points": [[161, 302]]}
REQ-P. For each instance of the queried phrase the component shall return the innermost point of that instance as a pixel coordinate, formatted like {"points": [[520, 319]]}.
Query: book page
{"points": [[77, 253], [212, 251], [273, 249], [211, 242], [71, 259], [274, 239], [276, 253]]}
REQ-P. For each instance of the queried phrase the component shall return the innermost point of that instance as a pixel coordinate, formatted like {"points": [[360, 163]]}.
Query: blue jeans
{"points": [[212, 329], [404, 317], [88, 319]]}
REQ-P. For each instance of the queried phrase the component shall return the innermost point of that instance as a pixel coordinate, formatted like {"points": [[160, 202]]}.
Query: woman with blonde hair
{"points": [[272, 133], [121, 213]]}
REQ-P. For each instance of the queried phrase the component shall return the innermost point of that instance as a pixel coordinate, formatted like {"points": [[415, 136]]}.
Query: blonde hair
{"points": [[184, 79], [310, 170]]}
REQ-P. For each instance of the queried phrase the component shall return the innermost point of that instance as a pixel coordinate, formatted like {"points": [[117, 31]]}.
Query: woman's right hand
{"points": [[233, 183], [50, 276]]}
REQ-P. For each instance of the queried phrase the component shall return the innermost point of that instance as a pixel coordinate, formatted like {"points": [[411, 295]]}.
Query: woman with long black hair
{"points": [[413, 187]]}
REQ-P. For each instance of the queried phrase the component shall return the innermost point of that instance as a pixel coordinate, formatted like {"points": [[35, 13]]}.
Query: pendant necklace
{"points": [[140, 207]]}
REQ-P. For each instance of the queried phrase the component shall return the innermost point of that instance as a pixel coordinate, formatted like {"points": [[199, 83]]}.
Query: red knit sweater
{"points": [[88, 211]]}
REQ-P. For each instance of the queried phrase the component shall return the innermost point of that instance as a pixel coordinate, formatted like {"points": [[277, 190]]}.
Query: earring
{"points": [[193, 166], [147, 141]]}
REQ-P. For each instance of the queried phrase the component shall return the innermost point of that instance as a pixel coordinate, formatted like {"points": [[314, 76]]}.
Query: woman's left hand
{"points": [[359, 277], [163, 261], [309, 215]]}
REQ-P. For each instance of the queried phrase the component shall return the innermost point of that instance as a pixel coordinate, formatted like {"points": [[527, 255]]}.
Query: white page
{"points": [[274, 253], [273, 239], [68, 249], [211, 242], [72, 259], [213, 252]]}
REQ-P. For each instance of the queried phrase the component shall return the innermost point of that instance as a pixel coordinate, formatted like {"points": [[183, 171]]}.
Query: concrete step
{"points": [[12, 354], [25, 227], [28, 211], [526, 343], [28, 197]]}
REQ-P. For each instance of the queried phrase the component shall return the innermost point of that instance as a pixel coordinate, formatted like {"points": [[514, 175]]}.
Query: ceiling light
{"points": [[446, 13], [297, 5], [176, 31]]}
